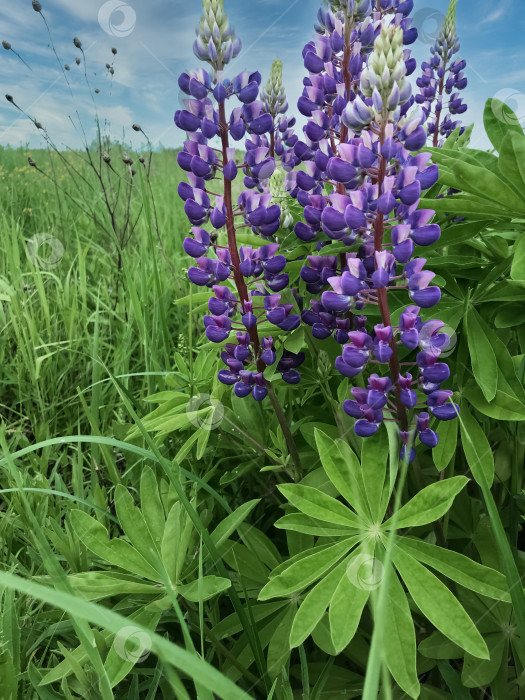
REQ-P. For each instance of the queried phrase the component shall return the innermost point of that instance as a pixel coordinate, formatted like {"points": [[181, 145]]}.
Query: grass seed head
{"points": [[37, 7], [6, 45]]}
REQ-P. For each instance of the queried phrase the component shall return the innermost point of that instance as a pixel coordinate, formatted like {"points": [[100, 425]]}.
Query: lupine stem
{"points": [[379, 231], [438, 114], [346, 72], [285, 427], [238, 277], [242, 291]]}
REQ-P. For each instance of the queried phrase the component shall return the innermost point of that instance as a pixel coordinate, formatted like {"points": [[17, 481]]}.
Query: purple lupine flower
{"points": [[360, 185], [257, 273], [441, 81]]}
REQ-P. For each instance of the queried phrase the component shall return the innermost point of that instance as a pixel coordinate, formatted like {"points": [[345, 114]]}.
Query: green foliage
{"points": [[167, 548]]}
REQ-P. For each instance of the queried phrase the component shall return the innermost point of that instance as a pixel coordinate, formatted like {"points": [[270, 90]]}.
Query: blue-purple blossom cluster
{"points": [[360, 186], [443, 79], [245, 282]]}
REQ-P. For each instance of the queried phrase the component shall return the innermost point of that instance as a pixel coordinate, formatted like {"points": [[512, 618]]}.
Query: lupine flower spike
{"points": [[246, 281], [442, 80], [361, 187]]}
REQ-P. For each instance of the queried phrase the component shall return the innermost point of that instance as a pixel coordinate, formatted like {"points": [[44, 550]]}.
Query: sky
{"points": [[154, 41]]}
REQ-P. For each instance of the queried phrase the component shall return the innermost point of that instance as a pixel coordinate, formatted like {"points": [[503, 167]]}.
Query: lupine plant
{"points": [[361, 187], [327, 500], [442, 80]]}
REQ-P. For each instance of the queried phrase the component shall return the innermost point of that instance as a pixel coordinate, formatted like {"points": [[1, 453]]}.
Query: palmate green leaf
{"points": [[477, 180], [343, 469], [193, 666], [453, 681], [459, 568], [349, 599], [499, 119], [437, 646], [477, 672], [130, 646], [134, 526], [483, 359], [458, 233], [429, 504], [115, 551], [96, 585], [151, 505], [446, 447], [299, 522], [517, 270], [467, 205], [204, 588], [314, 605], [399, 640], [476, 447], [232, 521], [439, 605], [320, 506], [505, 406], [306, 570], [374, 457], [147, 616], [511, 161], [279, 646]]}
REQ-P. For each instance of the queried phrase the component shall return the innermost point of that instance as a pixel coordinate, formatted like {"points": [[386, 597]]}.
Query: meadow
{"points": [[251, 446]]}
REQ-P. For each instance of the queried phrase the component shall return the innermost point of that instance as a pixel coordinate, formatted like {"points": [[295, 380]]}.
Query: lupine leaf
{"points": [[466, 205], [320, 506], [399, 640], [151, 505], [299, 522], [483, 359], [476, 447], [374, 459], [511, 159], [453, 681], [517, 271], [279, 646], [346, 607], [468, 573], [498, 119], [343, 469], [116, 551], [429, 504], [477, 180], [446, 447], [476, 672], [305, 571], [134, 526], [314, 605], [204, 588], [232, 521], [437, 646], [439, 605]]}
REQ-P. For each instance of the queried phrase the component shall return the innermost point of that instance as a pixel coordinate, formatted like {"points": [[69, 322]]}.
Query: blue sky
{"points": [[154, 40]]}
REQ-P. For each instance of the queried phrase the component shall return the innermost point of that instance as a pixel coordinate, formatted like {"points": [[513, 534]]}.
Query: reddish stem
{"points": [[238, 277], [438, 114], [379, 230]]}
